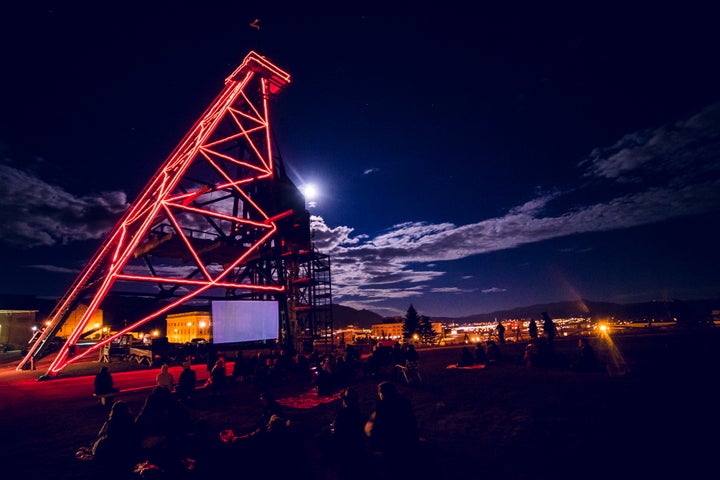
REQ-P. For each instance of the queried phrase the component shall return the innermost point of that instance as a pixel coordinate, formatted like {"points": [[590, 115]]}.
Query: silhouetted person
{"points": [[549, 327], [392, 427], [218, 378], [586, 360], [411, 356], [270, 443], [466, 358], [533, 329], [374, 362], [493, 352], [480, 356], [238, 371], [530, 356], [186, 382], [500, 332], [162, 424], [118, 441], [212, 357], [104, 382], [270, 408], [347, 445]]}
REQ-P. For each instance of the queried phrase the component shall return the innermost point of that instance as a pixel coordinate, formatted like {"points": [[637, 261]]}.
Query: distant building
{"points": [[16, 328], [183, 327], [94, 328], [351, 335], [394, 330]]}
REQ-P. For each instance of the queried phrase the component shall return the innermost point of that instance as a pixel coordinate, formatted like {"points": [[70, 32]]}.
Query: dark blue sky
{"points": [[467, 159]]}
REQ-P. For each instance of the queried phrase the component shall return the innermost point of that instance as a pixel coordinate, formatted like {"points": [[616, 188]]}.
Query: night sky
{"points": [[467, 160]]}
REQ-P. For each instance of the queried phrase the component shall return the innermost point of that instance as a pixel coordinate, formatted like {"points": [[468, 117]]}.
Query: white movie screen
{"points": [[244, 321]]}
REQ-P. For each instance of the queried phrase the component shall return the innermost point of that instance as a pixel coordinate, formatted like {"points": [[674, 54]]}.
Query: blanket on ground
{"points": [[309, 399]]}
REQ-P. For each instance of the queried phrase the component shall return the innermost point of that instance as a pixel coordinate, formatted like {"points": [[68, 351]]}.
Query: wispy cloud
{"points": [[646, 177], [493, 290], [35, 213], [368, 171], [674, 170], [451, 290], [54, 268]]}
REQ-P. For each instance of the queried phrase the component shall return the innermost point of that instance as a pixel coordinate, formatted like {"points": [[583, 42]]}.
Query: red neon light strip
{"points": [[109, 280], [160, 187], [259, 59], [211, 213], [267, 129], [279, 216], [250, 140], [244, 195], [209, 158], [57, 366], [180, 232], [234, 113], [186, 281], [234, 136]]}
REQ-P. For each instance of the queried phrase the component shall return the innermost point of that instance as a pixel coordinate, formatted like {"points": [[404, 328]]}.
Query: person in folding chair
{"points": [[410, 372]]}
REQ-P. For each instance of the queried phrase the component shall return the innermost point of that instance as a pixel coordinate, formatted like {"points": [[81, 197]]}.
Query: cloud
{"points": [[493, 290], [451, 290], [369, 171], [667, 150], [645, 177], [54, 268], [674, 170], [36, 213]]}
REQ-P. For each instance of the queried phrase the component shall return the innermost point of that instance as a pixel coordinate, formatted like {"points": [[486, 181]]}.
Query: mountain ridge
{"points": [[659, 310]]}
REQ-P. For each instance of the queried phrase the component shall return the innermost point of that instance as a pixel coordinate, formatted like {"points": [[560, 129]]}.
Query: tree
{"points": [[411, 324], [428, 336]]}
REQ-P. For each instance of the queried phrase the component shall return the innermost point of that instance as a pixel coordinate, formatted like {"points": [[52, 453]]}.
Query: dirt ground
{"points": [[652, 414]]}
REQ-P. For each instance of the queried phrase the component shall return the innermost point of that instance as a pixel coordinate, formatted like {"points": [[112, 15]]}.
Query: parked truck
{"points": [[127, 348]]}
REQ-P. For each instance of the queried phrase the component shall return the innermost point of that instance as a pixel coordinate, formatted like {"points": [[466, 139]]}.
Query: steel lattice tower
{"points": [[215, 221]]}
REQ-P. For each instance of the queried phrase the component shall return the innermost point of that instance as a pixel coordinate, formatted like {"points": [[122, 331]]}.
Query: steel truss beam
{"points": [[211, 223]]}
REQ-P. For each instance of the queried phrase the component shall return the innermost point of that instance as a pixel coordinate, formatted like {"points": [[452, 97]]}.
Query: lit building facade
{"points": [[394, 330], [95, 324], [16, 327], [183, 327]]}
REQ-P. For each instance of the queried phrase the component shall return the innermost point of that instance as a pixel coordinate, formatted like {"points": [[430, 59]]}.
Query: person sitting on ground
{"points": [[270, 408], [186, 382], [530, 355], [493, 352], [586, 360], [348, 426], [162, 424], [271, 418], [480, 356], [392, 427], [104, 382], [348, 445], [466, 358], [164, 378], [411, 356], [117, 439]]}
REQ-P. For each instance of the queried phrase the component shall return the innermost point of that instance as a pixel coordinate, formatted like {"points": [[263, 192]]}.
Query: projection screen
{"points": [[244, 320]]}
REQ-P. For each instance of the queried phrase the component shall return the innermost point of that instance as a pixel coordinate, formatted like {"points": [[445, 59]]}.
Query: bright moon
{"points": [[309, 191]]}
